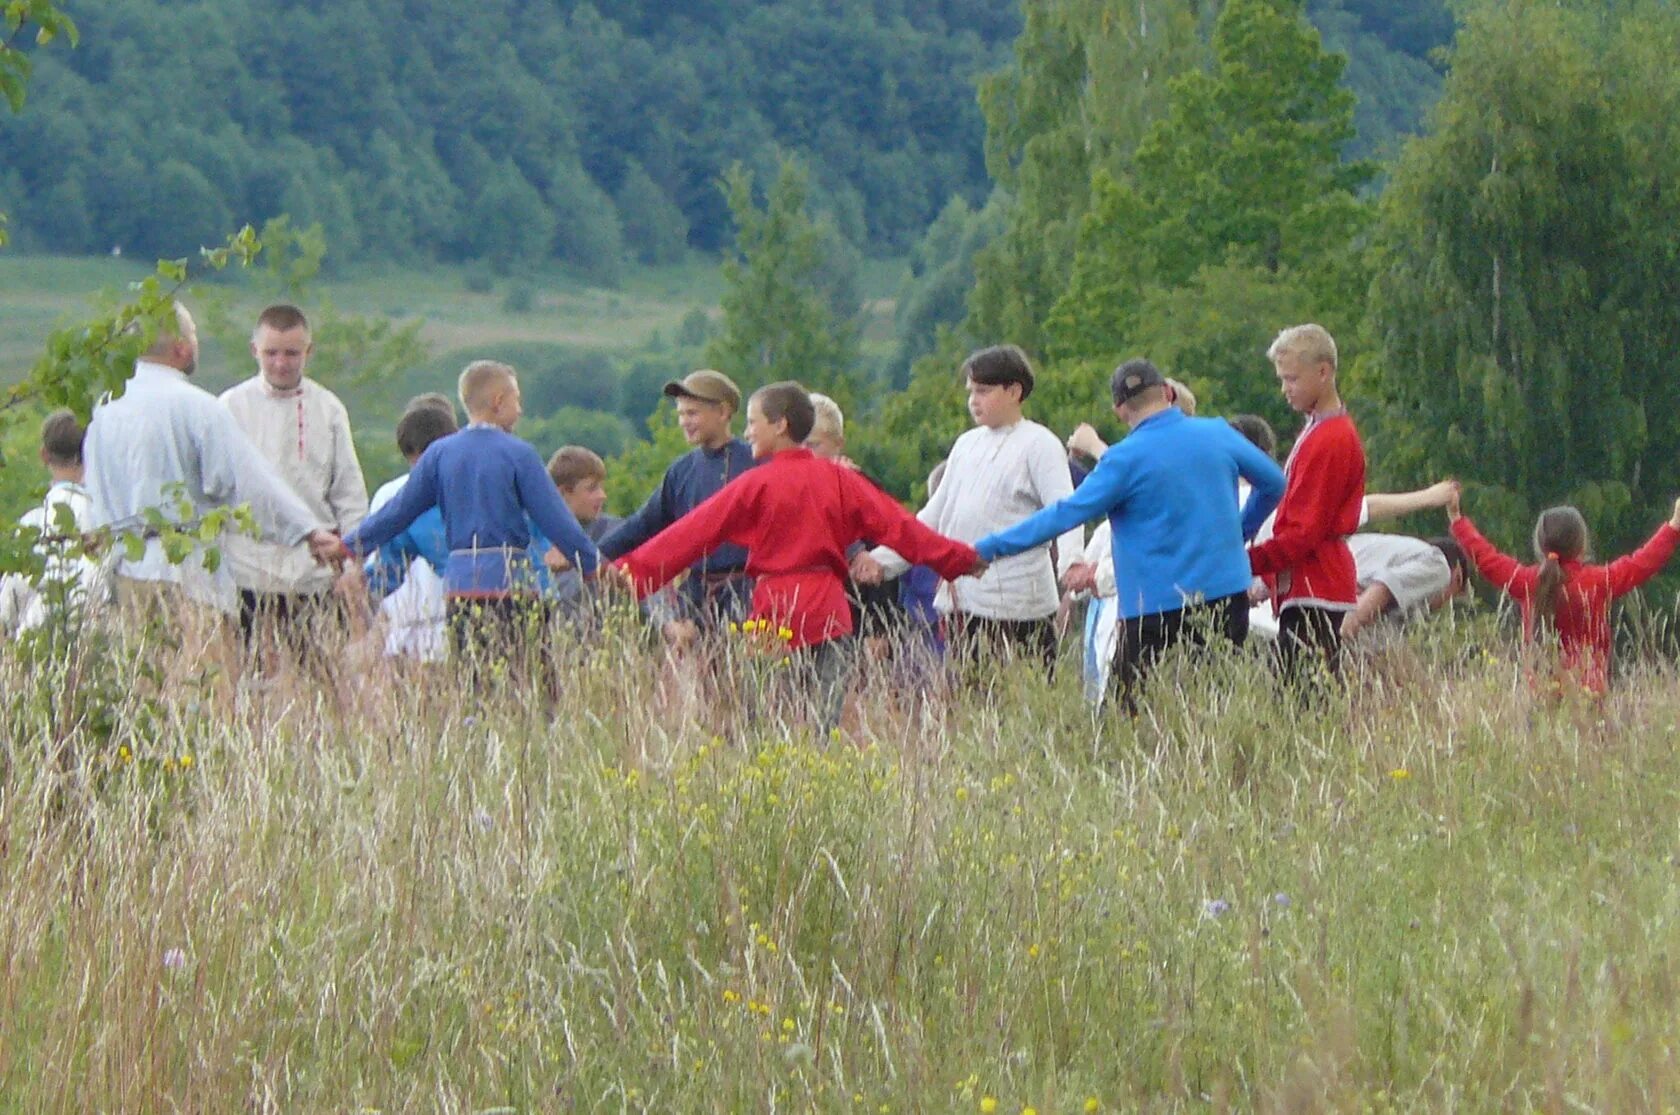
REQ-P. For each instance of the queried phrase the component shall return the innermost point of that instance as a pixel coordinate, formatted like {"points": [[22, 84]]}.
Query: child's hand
{"points": [[1455, 493], [1674, 519], [1441, 493], [979, 568], [1080, 577], [1086, 441]]}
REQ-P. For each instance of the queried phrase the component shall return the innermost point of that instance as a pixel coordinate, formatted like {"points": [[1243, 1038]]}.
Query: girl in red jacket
{"points": [[1562, 591]]}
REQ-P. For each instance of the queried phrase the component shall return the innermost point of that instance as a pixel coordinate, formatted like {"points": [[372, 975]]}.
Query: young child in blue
{"points": [[490, 487]]}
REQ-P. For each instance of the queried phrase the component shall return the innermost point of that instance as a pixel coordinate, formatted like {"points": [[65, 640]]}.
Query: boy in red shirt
{"points": [[796, 515], [1306, 563]]}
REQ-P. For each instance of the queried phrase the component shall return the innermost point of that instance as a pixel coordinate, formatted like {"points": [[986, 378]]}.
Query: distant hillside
{"points": [[519, 132]]}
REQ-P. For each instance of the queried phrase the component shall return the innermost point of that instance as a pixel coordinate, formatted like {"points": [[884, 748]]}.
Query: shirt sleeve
{"points": [[1500, 570], [931, 515], [1630, 571], [878, 515], [347, 493], [653, 516], [1265, 483], [1102, 491], [551, 515], [1052, 480], [418, 494], [235, 472], [723, 518], [1322, 488]]}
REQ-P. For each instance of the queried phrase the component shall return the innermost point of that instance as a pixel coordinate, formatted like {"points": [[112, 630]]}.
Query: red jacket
{"points": [[1583, 610], [1307, 560], [796, 515]]}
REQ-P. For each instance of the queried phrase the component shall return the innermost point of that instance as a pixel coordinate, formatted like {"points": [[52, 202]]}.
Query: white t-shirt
{"points": [[22, 604]]}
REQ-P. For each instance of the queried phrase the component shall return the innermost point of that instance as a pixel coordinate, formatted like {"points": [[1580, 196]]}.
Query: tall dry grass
{"points": [[405, 889]]}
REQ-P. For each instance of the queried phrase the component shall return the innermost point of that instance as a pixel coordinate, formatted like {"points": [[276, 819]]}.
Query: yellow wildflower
{"points": [[988, 1104], [1092, 1104], [186, 761], [1399, 774]]}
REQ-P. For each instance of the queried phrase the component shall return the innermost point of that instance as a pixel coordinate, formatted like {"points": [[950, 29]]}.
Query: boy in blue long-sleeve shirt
{"points": [[1169, 491], [717, 589], [491, 487]]}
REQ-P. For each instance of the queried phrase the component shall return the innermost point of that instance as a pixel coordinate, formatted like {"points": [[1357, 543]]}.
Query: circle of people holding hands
{"points": [[1201, 537]]}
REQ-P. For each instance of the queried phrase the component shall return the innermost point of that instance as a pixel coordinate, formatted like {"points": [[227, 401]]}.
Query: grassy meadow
{"points": [[404, 889]]}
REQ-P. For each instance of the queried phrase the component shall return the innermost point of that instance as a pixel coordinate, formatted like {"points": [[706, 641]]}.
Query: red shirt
{"points": [[796, 515], [1307, 560], [1583, 607]]}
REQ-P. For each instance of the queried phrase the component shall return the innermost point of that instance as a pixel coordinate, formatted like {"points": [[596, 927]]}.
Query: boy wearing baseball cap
{"points": [[717, 588]]}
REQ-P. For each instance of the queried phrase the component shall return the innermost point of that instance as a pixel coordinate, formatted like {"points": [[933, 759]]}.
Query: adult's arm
{"points": [[1103, 490], [878, 515], [722, 518], [549, 512], [234, 471], [1499, 569], [1265, 482], [1630, 571], [1052, 481]]}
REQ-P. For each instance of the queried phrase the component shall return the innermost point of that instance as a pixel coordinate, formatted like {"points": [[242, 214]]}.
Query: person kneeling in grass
{"points": [[796, 515]]}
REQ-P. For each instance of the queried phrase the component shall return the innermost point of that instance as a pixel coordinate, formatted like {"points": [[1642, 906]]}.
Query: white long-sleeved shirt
{"points": [[22, 604], [305, 435], [994, 478], [164, 431]]}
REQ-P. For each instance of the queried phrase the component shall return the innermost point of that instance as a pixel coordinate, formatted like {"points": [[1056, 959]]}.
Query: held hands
{"points": [[1674, 519], [1085, 440], [979, 568], [1455, 492], [327, 548], [1080, 577]]}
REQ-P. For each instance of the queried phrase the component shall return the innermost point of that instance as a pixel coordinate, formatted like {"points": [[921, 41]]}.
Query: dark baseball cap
{"points": [[707, 386], [1133, 378]]}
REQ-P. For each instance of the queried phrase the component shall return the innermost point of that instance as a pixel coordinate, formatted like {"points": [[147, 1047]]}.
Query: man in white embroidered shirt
{"points": [[164, 436], [303, 430]]}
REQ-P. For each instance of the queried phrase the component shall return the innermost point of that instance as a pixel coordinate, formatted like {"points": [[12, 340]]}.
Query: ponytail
{"points": [[1548, 588], [1559, 536]]}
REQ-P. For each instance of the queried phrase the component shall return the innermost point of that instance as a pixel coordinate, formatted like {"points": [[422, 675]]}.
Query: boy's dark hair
{"points": [[281, 317], [790, 401], [62, 435], [433, 399], [1457, 560], [574, 463], [421, 425], [1000, 366], [1258, 431]]}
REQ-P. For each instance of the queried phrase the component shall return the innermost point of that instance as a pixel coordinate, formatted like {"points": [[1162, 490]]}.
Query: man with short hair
{"points": [[717, 588], [304, 432], [1169, 491], [164, 434]]}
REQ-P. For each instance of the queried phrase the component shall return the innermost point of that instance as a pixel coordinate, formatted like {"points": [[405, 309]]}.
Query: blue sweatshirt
{"points": [[692, 479], [1169, 490], [485, 481]]}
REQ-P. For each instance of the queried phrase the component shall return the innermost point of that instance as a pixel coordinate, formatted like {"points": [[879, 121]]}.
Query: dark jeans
{"points": [[1309, 638], [715, 602], [1144, 639], [297, 622], [974, 638], [497, 627]]}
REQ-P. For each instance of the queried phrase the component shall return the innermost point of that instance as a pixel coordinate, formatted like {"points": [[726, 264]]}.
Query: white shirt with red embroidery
{"points": [[305, 435]]}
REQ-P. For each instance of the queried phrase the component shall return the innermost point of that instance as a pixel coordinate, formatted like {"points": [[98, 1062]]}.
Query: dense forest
{"points": [[521, 132], [1476, 197]]}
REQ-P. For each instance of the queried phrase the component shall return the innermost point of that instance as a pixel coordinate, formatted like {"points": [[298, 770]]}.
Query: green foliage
{"points": [[1521, 296], [404, 134], [780, 320]]}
